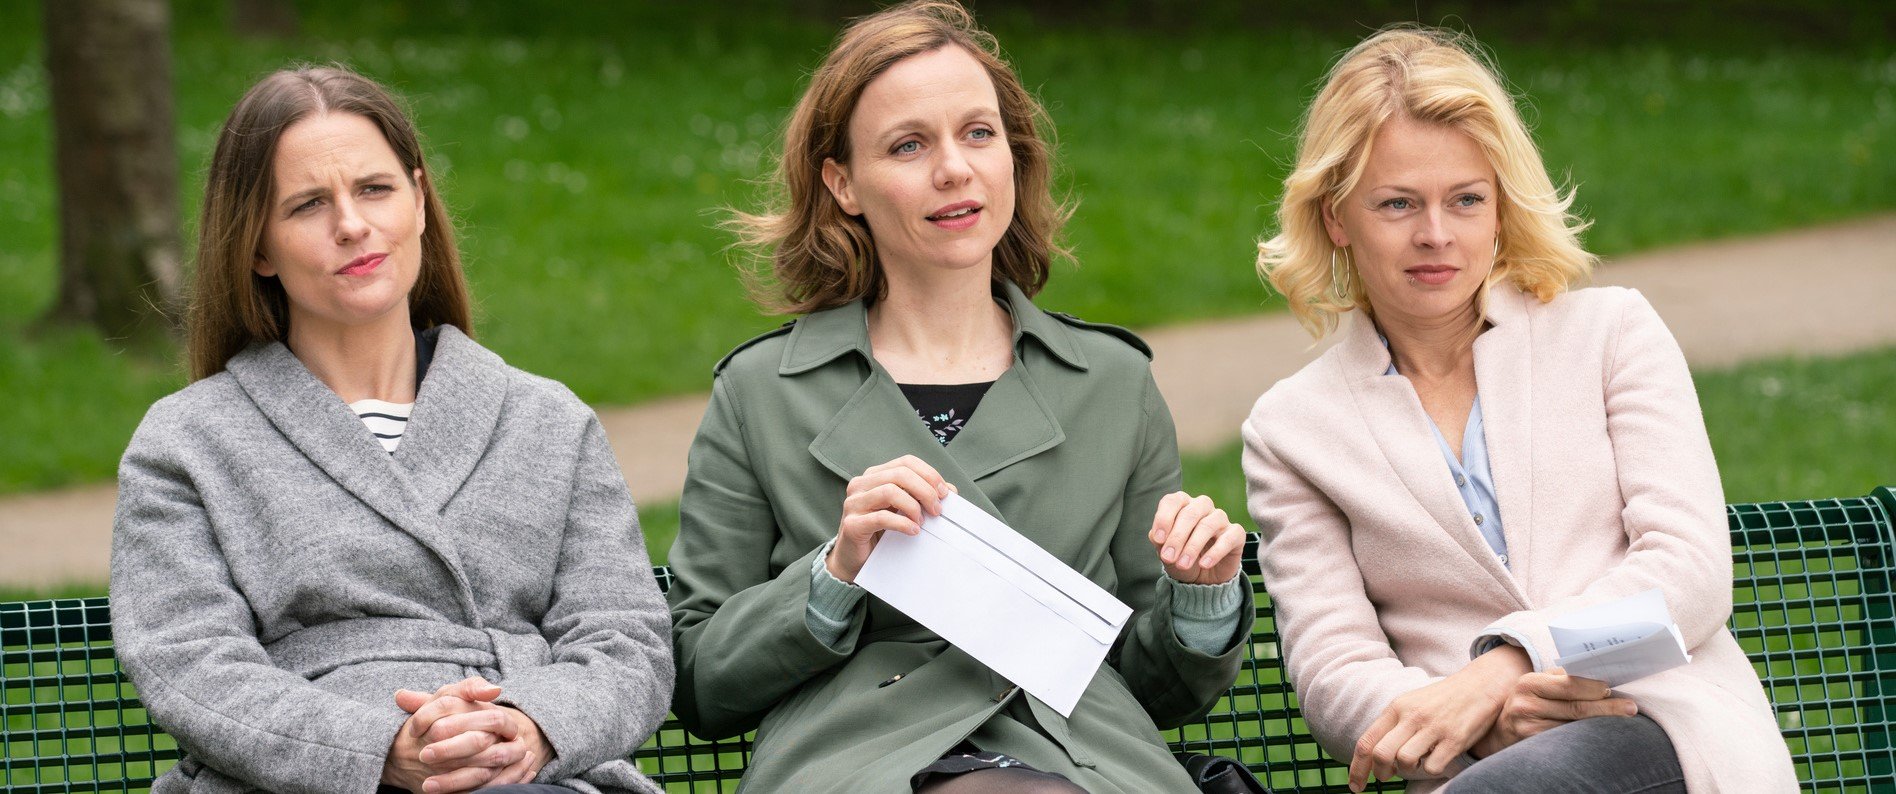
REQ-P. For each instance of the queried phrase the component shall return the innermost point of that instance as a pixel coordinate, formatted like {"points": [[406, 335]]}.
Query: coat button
{"points": [[1002, 695], [1477, 519], [1460, 481]]}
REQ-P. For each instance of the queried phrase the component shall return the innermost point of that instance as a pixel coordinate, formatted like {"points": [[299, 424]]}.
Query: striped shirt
{"points": [[386, 420]]}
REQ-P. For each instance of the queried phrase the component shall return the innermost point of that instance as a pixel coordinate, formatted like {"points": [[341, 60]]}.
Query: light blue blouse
{"points": [[1473, 478]]}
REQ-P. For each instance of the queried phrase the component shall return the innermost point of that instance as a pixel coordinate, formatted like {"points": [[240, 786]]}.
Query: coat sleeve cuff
{"points": [[1496, 636]]}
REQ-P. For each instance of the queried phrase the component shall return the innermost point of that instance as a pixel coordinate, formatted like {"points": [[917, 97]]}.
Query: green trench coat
{"points": [[1072, 446]]}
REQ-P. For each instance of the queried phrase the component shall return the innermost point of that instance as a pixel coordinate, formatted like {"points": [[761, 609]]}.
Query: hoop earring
{"points": [[1341, 290]]}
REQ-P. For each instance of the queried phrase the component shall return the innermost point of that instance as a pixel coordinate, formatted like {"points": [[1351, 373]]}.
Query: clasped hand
{"points": [[1484, 708], [459, 739]]}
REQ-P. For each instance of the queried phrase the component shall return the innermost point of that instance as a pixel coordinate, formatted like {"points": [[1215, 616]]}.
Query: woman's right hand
{"points": [[1545, 700], [897, 496]]}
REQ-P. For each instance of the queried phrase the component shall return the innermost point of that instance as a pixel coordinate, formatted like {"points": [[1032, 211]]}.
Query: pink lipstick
{"points": [[362, 265], [957, 216]]}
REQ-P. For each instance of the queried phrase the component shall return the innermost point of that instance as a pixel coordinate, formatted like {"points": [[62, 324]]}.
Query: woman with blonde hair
{"points": [[917, 224], [1485, 449], [360, 550]]}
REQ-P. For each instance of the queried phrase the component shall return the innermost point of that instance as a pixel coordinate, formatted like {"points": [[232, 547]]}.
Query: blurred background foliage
{"points": [[589, 149]]}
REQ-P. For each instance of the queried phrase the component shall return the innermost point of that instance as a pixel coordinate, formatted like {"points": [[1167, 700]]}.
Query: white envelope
{"points": [[1001, 598]]}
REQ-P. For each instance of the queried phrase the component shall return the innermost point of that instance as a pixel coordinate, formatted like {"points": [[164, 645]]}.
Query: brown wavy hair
{"points": [[819, 256], [231, 306]]}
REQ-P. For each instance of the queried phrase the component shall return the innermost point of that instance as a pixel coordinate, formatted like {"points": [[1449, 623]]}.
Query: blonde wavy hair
{"points": [[1429, 75]]}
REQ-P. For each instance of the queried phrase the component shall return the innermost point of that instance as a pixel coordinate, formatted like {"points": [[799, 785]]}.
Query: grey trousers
{"points": [[1602, 754]]}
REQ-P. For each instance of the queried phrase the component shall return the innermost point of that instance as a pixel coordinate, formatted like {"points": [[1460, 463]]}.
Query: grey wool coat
{"points": [[276, 575], [1072, 446]]}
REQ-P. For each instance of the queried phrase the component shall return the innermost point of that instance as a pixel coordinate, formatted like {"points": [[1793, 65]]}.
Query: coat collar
{"points": [[1014, 421], [456, 411], [1396, 419], [821, 337]]}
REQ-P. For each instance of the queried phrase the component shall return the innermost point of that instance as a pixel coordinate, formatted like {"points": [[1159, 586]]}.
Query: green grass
{"points": [[587, 155]]}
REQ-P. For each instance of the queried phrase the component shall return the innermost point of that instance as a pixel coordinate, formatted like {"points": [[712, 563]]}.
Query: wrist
{"points": [[1497, 670], [831, 564]]}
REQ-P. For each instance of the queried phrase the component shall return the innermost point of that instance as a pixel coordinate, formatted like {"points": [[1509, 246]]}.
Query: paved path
{"points": [[1824, 290]]}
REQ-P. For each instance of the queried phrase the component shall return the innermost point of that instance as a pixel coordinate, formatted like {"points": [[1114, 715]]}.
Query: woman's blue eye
{"points": [[377, 189], [1468, 200], [305, 205], [1397, 204], [908, 147], [981, 134]]}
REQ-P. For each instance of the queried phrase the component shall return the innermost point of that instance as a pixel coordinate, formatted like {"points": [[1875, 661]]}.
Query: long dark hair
{"points": [[233, 307]]}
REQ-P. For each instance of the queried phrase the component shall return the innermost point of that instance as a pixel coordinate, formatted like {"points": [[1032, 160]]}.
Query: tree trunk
{"points": [[117, 164], [263, 18]]}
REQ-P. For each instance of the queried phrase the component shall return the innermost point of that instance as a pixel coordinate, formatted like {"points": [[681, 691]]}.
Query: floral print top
{"points": [[944, 409]]}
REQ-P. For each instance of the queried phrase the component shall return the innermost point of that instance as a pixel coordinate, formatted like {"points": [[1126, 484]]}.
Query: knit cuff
{"points": [[832, 601], [1205, 616]]}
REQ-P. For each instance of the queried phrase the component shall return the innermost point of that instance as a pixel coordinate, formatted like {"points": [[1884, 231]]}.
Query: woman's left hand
{"points": [[1195, 540]]}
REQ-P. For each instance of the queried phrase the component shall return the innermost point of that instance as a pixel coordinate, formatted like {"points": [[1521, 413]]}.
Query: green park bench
{"points": [[1813, 606]]}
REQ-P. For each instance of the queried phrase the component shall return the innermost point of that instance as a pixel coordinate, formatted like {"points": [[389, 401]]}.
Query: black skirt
{"points": [[965, 758]]}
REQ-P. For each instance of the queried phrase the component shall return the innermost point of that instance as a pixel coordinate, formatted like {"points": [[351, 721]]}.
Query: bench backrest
{"points": [[1813, 607]]}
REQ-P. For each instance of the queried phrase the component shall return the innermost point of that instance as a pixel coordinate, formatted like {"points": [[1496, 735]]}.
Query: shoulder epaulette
{"points": [[778, 331], [1124, 334]]}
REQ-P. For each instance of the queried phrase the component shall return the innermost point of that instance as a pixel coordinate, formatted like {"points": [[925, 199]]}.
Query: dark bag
{"points": [[1215, 774]]}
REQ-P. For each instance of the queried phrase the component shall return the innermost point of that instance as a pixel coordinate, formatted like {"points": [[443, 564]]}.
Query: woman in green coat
{"points": [[917, 223]]}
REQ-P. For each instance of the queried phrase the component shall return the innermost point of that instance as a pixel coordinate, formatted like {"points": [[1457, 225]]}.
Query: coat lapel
{"points": [[1014, 421], [1504, 374], [1394, 417], [878, 425], [456, 411], [322, 427], [317, 422]]}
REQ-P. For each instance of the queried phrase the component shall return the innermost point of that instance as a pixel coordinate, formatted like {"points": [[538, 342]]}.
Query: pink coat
{"points": [[1606, 485]]}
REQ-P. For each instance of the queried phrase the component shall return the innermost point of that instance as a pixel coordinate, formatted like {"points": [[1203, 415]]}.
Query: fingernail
{"points": [[1167, 554], [1156, 536], [1185, 561]]}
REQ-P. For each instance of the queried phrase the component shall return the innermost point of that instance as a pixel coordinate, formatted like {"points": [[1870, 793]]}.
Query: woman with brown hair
{"points": [[359, 549], [916, 224]]}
